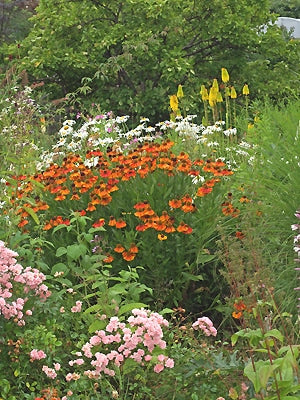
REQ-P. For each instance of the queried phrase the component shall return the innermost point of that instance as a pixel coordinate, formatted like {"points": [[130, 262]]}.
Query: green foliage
{"points": [[286, 8], [140, 52], [276, 375]]}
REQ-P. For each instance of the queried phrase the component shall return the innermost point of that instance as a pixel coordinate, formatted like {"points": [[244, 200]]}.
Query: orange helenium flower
{"points": [[119, 248], [99, 223], [128, 256]]}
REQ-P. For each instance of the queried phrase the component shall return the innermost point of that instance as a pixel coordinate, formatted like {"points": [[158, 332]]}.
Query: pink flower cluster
{"points": [[135, 339], [77, 307], [16, 283], [37, 355], [206, 326]]}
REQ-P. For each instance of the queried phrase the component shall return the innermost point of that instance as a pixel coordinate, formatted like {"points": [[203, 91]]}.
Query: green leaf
{"points": [[61, 251], [205, 258], [261, 375], [59, 267], [93, 308], [191, 277], [32, 214], [59, 227], [75, 251], [16, 372], [97, 325], [166, 311], [129, 307], [129, 366], [275, 333]]}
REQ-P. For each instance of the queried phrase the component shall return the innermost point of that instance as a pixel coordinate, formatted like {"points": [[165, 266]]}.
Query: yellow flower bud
{"points": [[225, 75], [174, 102], [246, 89], [179, 92], [215, 84], [212, 97], [219, 97], [233, 93], [204, 93]]}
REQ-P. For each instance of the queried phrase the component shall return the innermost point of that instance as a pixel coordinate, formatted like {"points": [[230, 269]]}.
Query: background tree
{"points": [[287, 8], [134, 53], [14, 14]]}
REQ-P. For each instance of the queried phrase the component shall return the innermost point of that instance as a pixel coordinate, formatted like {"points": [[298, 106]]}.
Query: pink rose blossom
{"points": [[77, 307], [158, 368], [37, 354]]}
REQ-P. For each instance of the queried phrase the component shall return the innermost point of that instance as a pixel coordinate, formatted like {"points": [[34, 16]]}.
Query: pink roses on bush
{"points": [[16, 285]]}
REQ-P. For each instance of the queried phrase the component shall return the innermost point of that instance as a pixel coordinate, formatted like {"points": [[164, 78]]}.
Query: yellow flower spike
{"points": [[246, 89], [227, 91], [219, 97], [204, 93], [233, 94], [180, 92], [212, 97], [174, 103], [215, 84], [225, 75]]}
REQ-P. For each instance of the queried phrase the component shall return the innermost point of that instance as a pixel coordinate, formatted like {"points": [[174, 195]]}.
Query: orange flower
{"points": [[170, 229], [198, 162], [184, 228], [75, 196], [175, 203], [141, 227], [203, 190], [244, 199], [108, 259], [141, 206], [159, 226], [47, 226], [161, 236], [239, 306], [237, 315], [23, 223], [188, 207], [119, 248], [112, 221], [133, 248], [60, 197], [120, 223], [90, 207], [128, 255], [99, 223], [239, 235]]}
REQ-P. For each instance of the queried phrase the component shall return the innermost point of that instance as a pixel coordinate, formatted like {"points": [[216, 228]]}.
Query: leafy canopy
{"points": [[135, 53]]}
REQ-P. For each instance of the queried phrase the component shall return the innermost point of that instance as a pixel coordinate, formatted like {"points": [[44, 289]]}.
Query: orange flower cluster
{"points": [[185, 204], [22, 211], [207, 187], [72, 179], [128, 255], [49, 394], [163, 223], [239, 307], [55, 222], [229, 209]]}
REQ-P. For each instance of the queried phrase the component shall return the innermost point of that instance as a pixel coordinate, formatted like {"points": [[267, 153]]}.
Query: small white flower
{"points": [[65, 130], [122, 119], [69, 122]]}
